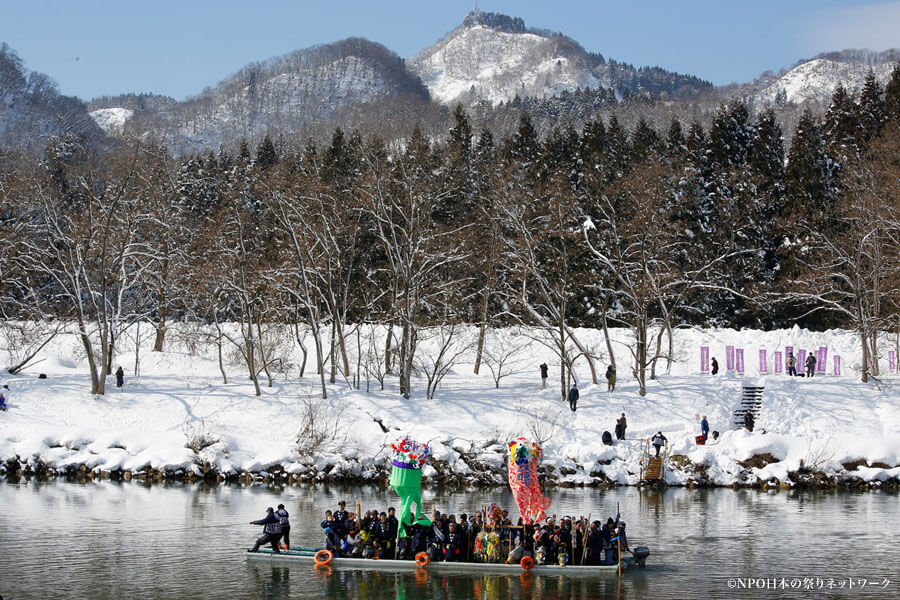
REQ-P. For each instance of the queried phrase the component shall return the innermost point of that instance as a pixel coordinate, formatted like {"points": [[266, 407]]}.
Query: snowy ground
{"points": [[825, 421]]}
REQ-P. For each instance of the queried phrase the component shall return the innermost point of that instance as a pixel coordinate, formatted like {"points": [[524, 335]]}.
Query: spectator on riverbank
{"points": [[621, 425], [791, 364], [573, 397]]}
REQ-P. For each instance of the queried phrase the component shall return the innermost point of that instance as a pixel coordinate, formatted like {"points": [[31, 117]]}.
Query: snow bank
{"points": [[178, 416]]}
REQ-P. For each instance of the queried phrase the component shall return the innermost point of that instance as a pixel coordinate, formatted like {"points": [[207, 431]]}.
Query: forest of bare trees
{"points": [[644, 228]]}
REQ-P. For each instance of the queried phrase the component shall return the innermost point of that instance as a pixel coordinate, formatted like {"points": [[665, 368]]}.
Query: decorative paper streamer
{"points": [[406, 480], [524, 457]]}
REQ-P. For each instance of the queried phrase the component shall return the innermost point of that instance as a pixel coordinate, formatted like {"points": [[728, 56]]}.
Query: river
{"points": [[113, 540]]}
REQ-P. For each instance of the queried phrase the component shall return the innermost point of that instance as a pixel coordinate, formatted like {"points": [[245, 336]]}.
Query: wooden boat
{"points": [[307, 556]]}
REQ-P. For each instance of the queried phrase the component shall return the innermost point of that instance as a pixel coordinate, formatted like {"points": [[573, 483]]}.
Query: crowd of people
{"points": [[488, 536]]}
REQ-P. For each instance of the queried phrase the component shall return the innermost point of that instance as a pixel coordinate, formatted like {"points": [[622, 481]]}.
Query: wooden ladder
{"points": [[653, 468], [751, 398]]}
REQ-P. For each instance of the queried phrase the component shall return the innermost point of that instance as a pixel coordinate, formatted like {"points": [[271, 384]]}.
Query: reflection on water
{"points": [[130, 540], [274, 582]]}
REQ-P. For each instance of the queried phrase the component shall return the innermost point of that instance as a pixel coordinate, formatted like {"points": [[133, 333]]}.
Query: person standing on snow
{"points": [[791, 364], [543, 375], [621, 424], [610, 378], [658, 441], [810, 364], [573, 397], [704, 428], [120, 377], [715, 366], [748, 420]]}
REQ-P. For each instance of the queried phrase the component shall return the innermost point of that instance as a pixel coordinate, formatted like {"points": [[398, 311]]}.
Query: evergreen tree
{"points": [[871, 110], [266, 155], [892, 96], [810, 176]]}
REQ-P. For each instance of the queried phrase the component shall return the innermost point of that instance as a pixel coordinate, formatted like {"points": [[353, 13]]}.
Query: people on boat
{"points": [[609, 548], [284, 518], [340, 518], [623, 539], [487, 536], [271, 531]]}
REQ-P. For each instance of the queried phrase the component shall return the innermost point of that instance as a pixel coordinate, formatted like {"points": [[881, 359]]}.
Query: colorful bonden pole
{"points": [[523, 460], [406, 480]]}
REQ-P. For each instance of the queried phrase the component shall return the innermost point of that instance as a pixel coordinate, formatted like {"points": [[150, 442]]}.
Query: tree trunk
{"points": [[609, 348], [482, 330], [640, 352], [387, 348]]}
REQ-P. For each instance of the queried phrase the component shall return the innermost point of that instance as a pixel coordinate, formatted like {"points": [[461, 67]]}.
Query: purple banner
{"points": [[763, 365], [821, 359], [837, 364], [801, 361], [729, 358], [739, 360], [777, 361], [892, 361], [704, 359]]}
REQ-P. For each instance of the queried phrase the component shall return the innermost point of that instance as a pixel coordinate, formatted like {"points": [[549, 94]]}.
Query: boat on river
{"points": [[308, 556]]}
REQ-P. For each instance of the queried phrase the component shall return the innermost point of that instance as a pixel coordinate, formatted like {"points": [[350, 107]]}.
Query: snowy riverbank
{"points": [[842, 430]]}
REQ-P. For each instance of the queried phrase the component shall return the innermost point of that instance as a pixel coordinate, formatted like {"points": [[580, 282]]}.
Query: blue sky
{"points": [[93, 47]]}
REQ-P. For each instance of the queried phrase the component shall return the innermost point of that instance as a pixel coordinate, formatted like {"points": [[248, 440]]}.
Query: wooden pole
{"points": [[584, 536]]}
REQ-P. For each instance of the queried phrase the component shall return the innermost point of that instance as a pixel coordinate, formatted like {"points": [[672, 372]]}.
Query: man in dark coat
{"points": [[715, 365], [543, 375], [573, 397], [810, 364], [621, 425], [271, 531], [748, 420], [658, 441], [120, 377]]}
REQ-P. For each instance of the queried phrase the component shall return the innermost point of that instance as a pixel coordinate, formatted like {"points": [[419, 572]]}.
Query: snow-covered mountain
{"points": [[814, 81], [285, 94], [495, 58], [32, 109]]}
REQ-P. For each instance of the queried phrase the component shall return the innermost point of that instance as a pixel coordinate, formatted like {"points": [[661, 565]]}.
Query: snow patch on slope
{"points": [[111, 120]]}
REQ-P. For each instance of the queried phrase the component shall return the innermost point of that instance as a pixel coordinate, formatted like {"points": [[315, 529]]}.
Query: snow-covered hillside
{"points": [[111, 120], [826, 422], [481, 63], [816, 80]]}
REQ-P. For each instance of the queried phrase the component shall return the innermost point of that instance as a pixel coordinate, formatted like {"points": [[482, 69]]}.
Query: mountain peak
{"points": [[504, 23]]}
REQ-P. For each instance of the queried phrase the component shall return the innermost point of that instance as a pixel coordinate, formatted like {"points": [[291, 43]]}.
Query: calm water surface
{"points": [[128, 540]]}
